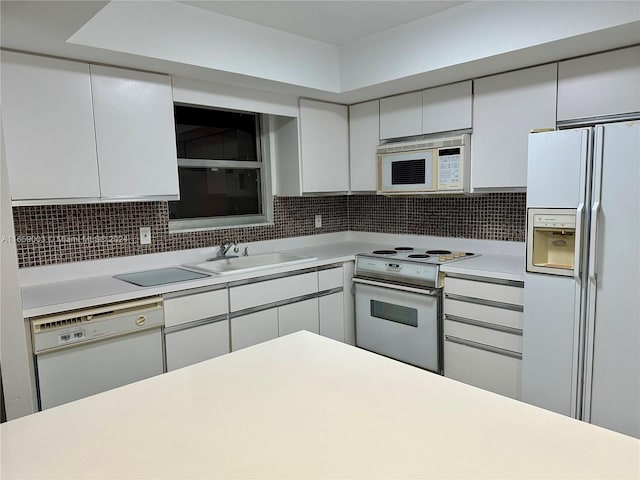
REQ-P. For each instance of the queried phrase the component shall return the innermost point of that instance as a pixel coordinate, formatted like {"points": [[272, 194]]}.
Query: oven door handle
{"points": [[403, 288]]}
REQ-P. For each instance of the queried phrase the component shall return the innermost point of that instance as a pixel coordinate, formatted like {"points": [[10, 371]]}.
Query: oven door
{"points": [[399, 322]]}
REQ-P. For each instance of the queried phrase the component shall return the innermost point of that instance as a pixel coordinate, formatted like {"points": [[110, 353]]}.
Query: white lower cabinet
{"points": [[332, 318], [305, 300], [196, 326], [483, 333], [298, 316], [196, 344]]}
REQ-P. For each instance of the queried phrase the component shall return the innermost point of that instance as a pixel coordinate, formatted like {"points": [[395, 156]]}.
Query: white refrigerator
{"points": [[581, 340]]}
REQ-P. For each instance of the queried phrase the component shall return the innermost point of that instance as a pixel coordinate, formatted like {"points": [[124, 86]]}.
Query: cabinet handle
{"points": [[478, 323], [482, 346], [487, 303], [195, 323]]}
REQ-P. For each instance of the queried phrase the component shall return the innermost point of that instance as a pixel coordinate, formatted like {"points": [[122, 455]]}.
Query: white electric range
{"points": [[399, 303]]}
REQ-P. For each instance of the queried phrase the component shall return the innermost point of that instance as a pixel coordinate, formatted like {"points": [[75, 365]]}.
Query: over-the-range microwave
{"points": [[436, 166]]}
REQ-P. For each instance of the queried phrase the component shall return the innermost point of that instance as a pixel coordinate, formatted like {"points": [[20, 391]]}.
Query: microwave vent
{"points": [[398, 147]]}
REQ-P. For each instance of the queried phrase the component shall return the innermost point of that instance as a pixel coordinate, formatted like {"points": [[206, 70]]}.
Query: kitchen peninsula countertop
{"points": [[89, 290], [303, 406]]}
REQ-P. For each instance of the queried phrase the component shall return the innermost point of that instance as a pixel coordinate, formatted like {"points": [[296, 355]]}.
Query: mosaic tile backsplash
{"points": [[51, 234]]}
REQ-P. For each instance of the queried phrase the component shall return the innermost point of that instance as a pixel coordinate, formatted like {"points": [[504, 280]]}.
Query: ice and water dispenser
{"points": [[551, 240]]}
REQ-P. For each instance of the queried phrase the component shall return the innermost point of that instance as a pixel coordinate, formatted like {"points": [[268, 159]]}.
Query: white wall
{"points": [[474, 31], [197, 92], [17, 368], [181, 33]]}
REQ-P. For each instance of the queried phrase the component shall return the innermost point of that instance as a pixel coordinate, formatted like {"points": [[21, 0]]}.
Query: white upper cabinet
{"points": [[75, 132], [446, 108], [48, 128], [505, 108], [364, 136], [401, 115], [603, 84], [135, 133], [324, 146]]}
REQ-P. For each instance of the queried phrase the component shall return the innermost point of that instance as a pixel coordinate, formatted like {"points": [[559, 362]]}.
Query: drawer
{"points": [[197, 306], [488, 291], [270, 291], [330, 278], [484, 369], [485, 336], [484, 313]]}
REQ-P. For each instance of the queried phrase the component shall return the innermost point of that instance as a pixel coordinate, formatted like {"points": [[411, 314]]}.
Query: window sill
{"points": [[209, 224]]}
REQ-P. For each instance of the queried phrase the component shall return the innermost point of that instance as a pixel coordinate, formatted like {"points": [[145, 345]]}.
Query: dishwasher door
{"points": [[88, 352]]}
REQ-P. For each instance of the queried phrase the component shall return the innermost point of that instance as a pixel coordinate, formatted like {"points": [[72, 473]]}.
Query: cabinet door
{"points": [[446, 108], [604, 84], [505, 108], [401, 116], [48, 128], [324, 146], [254, 328], [483, 368], [364, 136], [331, 308], [193, 345], [135, 133], [298, 316]]}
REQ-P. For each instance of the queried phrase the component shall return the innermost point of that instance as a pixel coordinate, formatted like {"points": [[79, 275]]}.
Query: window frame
{"points": [[177, 225]]}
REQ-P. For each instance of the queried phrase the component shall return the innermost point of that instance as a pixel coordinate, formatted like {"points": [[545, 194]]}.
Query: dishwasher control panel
{"points": [[73, 335], [68, 329]]}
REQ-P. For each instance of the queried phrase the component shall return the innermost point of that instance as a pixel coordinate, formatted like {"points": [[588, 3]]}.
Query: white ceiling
{"points": [[334, 22], [343, 51]]}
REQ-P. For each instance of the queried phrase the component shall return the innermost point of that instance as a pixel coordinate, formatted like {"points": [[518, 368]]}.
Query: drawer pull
{"points": [[478, 323], [482, 346], [493, 281], [482, 301], [196, 323]]}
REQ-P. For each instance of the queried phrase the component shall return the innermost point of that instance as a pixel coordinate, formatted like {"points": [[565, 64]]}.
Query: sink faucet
{"points": [[224, 248]]}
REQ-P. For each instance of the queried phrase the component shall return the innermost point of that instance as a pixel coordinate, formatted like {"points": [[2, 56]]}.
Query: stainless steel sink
{"points": [[246, 264]]}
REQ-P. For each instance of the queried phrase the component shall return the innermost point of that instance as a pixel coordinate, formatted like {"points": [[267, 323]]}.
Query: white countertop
{"points": [[84, 288], [303, 406], [505, 267]]}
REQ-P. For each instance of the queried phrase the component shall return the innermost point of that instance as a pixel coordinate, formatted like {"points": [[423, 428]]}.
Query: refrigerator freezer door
{"points": [[549, 350], [557, 168], [612, 389]]}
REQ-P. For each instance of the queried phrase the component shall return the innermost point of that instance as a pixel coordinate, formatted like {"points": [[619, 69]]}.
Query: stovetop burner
{"points": [[432, 257]]}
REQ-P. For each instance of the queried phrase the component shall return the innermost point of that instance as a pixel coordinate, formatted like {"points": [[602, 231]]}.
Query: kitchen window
{"points": [[223, 169]]}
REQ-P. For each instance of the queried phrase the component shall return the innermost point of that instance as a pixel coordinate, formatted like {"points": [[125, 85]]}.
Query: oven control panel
{"points": [[401, 270]]}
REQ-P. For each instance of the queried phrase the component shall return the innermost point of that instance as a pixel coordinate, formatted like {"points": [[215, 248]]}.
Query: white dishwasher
{"points": [[84, 352]]}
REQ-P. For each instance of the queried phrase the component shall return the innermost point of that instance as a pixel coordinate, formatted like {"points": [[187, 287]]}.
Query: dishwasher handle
{"points": [[432, 292]]}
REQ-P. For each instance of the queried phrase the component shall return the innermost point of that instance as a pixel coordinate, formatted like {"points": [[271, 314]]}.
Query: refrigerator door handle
{"points": [[577, 262], [595, 207]]}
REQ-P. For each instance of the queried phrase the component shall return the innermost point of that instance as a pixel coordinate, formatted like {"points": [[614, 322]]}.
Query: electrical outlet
{"points": [[145, 235], [318, 221]]}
